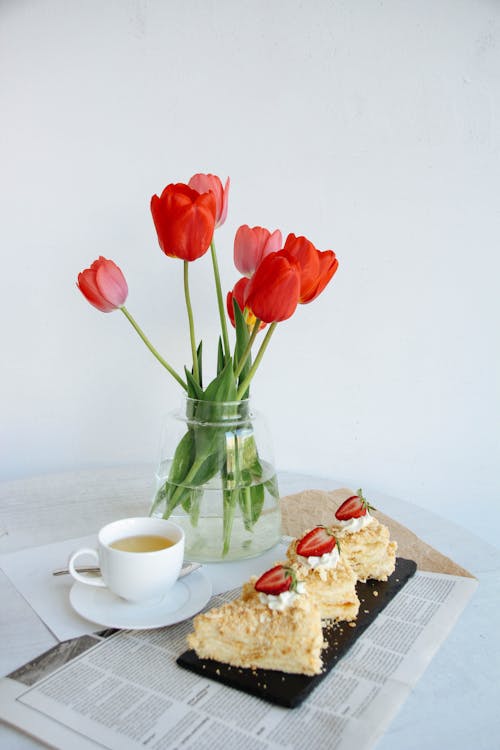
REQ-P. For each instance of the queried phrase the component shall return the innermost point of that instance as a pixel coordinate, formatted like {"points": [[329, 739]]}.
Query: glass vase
{"points": [[216, 479]]}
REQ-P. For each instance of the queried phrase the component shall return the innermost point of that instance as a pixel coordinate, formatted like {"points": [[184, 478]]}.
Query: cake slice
{"points": [[274, 624], [320, 562], [364, 541]]}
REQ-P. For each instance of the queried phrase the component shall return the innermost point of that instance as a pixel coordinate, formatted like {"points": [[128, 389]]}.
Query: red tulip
{"points": [[316, 267], [238, 293], [272, 294], [253, 245], [184, 221], [103, 285], [205, 182]]}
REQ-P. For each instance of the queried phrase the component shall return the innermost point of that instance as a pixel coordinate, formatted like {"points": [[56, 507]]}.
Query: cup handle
{"points": [[96, 580]]}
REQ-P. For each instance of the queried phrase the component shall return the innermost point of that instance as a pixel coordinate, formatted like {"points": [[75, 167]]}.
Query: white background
{"points": [[370, 127]]}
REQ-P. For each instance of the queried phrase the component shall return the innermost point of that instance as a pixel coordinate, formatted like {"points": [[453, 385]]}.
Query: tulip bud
{"points": [[103, 285]]}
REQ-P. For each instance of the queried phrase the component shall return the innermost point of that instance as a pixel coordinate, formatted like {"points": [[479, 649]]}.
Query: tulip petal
{"points": [[252, 245], [88, 287], [316, 267], [273, 291], [103, 285], [222, 216], [306, 255], [184, 221], [111, 283], [328, 265], [237, 293], [204, 183], [274, 243]]}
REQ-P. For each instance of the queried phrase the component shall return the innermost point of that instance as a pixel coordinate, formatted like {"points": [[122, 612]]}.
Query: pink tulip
{"points": [[205, 183], [103, 285], [253, 245]]}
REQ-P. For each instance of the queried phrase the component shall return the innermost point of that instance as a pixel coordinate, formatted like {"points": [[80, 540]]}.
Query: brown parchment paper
{"points": [[311, 507]]}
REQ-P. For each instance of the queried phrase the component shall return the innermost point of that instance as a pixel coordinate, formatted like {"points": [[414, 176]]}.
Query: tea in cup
{"points": [[140, 558]]}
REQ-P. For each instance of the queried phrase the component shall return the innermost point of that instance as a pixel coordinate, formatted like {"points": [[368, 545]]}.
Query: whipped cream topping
{"points": [[279, 602], [355, 524], [329, 560]]}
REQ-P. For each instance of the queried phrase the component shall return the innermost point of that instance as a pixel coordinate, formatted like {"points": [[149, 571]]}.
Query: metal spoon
{"points": [[186, 569]]}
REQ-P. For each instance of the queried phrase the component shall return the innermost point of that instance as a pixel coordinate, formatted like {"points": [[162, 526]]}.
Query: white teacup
{"points": [[138, 576]]}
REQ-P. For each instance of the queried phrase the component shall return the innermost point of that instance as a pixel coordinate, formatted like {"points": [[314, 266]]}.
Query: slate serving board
{"points": [[289, 690]]}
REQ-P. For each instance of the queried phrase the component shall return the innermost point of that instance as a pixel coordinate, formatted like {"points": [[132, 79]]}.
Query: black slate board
{"points": [[289, 690]]}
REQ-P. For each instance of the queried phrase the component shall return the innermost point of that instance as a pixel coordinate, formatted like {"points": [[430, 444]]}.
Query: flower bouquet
{"points": [[217, 477]]}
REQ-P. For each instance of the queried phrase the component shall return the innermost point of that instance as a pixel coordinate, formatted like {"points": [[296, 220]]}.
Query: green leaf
{"points": [[178, 495], [186, 502], [220, 356], [223, 387], [242, 336], [207, 468], [172, 491], [250, 456], [193, 389], [183, 459], [199, 357], [271, 486], [257, 501], [161, 496], [245, 501], [251, 501]]}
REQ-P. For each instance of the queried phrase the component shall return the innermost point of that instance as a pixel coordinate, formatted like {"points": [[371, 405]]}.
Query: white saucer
{"points": [[185, 599]]}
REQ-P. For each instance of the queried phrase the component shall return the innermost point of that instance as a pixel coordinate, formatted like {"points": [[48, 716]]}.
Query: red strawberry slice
{"points": [[276, 580], [317, 542], [354, 507]]}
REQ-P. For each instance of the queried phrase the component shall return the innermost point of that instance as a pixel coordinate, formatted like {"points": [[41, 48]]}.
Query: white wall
{"points": [[370, 127]]}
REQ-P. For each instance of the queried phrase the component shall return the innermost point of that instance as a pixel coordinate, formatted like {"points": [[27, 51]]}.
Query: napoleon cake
{"points": [[319, 560], [364, 540], [274, 624]]}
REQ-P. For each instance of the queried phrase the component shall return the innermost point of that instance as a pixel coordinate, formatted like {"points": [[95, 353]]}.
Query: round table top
{"points": [[454, 704]]}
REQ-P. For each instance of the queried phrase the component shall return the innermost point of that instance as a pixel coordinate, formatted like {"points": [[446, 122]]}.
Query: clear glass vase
{"points": [[216, 479]]}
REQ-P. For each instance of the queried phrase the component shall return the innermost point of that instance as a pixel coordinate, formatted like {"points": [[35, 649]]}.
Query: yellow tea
{"points": [[142, 543]]}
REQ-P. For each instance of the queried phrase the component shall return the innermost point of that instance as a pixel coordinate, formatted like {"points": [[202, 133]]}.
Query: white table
{"points": [[455, 704]]}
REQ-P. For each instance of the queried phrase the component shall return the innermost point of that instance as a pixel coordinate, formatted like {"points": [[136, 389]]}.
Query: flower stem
{"points": [[220, 301], [152, 348], [196, 373], [260, 354], [248, 348], [172, 503]]}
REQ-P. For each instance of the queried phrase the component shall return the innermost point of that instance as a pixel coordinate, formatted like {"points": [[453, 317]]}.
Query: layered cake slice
{"points": [[274, 624], [320, 561], [364, 540]]}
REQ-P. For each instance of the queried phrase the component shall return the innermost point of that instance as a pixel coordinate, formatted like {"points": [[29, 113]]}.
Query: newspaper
{"points": [[123, 690]]}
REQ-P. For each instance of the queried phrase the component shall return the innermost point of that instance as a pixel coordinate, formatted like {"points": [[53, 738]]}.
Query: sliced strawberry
{"points": [[354, 507], [276, 580], [317, 542]]}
